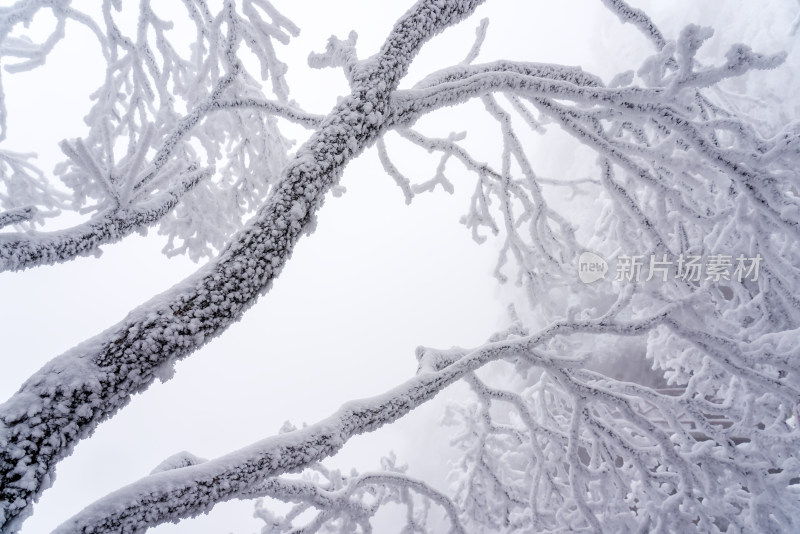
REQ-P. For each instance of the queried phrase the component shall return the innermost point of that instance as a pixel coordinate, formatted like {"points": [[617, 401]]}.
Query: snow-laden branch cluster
{"points": [[577, 447], [661, 395], [170, 105], [704, 439]]}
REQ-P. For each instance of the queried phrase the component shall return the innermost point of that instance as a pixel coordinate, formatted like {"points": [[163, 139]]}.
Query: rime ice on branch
{"points": [[167, 115], [705, 438]]}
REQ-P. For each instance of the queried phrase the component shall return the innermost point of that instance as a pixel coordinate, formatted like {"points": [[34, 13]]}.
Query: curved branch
{"points": [[630, 100], [574, 75], [288, 490], [331, 502], [422, 488], [412, 103], [638, 18]]}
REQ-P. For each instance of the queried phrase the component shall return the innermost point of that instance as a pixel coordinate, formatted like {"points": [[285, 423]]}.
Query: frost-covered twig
{"points": [[16, 215], [30, 54], [25, 187], [348, 502], [20, 251], [638, 18]]}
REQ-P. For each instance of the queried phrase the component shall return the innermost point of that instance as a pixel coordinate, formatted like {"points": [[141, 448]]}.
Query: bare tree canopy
{"points": [[652, 382]]}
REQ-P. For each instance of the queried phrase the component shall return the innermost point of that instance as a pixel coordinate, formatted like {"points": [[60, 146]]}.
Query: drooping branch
{"points": [[638, 18], [574, 75], [412, 103], [350, 501], [648, 103]]}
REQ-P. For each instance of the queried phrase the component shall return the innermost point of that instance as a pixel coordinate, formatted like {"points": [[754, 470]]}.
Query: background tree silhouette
{"points": [[660, 397]]}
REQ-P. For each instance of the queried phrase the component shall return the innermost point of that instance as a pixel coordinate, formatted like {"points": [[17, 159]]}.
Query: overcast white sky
{"points": [[375, 280]]}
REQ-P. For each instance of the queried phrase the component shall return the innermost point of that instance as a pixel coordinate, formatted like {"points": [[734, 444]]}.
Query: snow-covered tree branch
{"points": [[140, 138], [647, 383], [179, 493]]}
